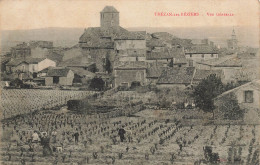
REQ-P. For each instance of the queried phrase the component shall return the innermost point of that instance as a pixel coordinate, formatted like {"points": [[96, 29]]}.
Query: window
{"points": [[190, 55], [202, 55], [212, 55], [56, 80], [249, 97], [33, 67]]}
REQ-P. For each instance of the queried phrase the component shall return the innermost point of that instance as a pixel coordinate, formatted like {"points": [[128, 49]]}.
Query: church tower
{"points": [[232, 43], [109, 17]]}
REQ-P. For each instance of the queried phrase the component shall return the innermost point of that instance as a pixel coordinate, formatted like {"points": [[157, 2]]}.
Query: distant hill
{"points": [[67, 37]]}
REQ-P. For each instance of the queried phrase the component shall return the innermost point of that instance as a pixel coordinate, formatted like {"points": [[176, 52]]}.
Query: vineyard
{"points": [[152, 137], [20, 101], [148, 140]]}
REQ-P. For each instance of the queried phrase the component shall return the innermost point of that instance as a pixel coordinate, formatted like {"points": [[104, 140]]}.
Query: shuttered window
{"points": [[249, 97]]}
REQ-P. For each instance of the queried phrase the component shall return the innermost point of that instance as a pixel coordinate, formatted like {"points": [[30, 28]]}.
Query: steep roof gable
{"points": [[58, 71], [109, 9]]}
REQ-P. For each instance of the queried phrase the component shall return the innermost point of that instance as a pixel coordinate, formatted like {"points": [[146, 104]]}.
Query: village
{"points": [[180, 101]]}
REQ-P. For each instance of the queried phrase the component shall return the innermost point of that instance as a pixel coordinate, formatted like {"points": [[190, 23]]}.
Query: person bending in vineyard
{"points": [[121, 133], [45, 142]]}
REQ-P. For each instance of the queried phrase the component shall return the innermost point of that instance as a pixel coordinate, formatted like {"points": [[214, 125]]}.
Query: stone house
{"points": [[30, 65], [34, 49], [78, 62], [167, 57], [59, 76], [247, 96], [153, 73], [202, 74], [180, 77], [110, 40], [17, 64], [128, 73], [201, 52], [38, 64], [230, 65]]}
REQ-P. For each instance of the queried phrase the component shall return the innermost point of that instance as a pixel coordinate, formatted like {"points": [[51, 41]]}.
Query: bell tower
{"points": [[232, 43], [109, 17]]}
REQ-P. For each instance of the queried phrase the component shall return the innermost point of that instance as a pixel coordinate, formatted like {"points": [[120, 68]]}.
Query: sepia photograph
{"points": [[130, 82]]}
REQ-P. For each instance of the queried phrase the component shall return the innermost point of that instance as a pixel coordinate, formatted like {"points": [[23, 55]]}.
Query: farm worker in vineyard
{"points": [[45, 142], [54, 134], [121, 133], [35, 137], [76, 136]]}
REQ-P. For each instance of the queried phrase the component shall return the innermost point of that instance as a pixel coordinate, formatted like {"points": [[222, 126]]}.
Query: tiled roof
{"points": [[154, 72], [58, 71], [172, 53], [97, 36], [76, 61], [82, 72], [162, 35], [228, 61], [45, 70], [131, 35], [255, 83], [153, 42], [162, 54], [15, 62], [202, 74], [180, 75], [109, 9], [178, 55], [234, 62], [34, 60], [131, 65], [201, 49], [54, 56]]}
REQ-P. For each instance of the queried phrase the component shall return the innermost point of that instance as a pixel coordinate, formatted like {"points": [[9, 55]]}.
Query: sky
{"points": [[34, 14]]}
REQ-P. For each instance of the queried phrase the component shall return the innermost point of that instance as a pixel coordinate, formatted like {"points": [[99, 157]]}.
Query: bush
{"points": [[97, 84], [135, 84], [16, 83]]}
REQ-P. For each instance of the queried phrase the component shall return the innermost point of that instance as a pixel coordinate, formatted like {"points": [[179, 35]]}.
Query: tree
{"points": [[206, 91], [93, 68], [229, 107], [97, 83], [16, 82], [108, 65]]}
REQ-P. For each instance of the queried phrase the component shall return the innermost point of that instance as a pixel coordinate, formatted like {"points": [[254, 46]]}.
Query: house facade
{"points": [[59, 76], [180, 77], [34, 49], [204, 52], [38, 64], [247, 96], [128, 73], [230, 66]]}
